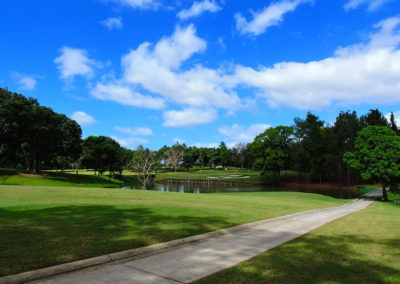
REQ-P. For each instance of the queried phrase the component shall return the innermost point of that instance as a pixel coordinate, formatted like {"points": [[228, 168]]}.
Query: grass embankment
{"points": [[44, 226], [51, 178], [361, 248]]}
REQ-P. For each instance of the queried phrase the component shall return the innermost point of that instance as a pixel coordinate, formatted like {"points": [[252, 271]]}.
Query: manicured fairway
{"points": [[361, 248], [14, 177], [44, 226]]}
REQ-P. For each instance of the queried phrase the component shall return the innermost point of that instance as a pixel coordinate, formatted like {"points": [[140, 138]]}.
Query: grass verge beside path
{"points": [[45, 226], [363, 247]]}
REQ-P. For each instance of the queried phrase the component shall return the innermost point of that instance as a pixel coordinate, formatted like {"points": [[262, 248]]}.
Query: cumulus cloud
{"points": [[130, 142], [83, 118], [138, 4], [113, 23], [372, 5], [271, 15], [74, 62], [189, 117], [396, 117], [366, 73], [125, 96], [198, 8], [237, 133], [206, 145], [144, 131], [158, 70], [24, 82]]}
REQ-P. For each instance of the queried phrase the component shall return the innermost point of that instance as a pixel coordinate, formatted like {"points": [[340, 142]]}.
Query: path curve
{"points": [[189, 262]]}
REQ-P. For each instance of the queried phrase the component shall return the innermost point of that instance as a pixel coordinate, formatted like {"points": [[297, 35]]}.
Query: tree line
{"points": [[35, 137]]}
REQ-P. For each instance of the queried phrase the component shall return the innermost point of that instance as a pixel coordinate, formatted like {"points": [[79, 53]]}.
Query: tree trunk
{"points": [[35, 170], [384, 193]]}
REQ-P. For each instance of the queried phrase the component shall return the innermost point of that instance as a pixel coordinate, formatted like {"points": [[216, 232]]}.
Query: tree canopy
{"points": [[376, 156]]}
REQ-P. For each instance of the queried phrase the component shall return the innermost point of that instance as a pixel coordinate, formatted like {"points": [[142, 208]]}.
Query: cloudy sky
{"points": [[155, 72]]}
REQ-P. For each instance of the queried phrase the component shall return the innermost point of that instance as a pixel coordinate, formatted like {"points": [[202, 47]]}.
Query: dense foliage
{"points": [[34, 137], [377, 156]]}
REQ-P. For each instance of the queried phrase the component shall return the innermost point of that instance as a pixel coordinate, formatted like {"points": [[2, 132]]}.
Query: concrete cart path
{"points": [[189, 262]]}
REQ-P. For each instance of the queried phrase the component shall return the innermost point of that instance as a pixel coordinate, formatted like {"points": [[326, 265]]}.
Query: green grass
{"points": [[51, 178], [253, 176], [361, 248], [44, 226]]}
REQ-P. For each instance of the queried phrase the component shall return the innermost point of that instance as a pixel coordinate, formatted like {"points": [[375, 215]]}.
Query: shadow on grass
{"points": [[33, 238], [16, 177], [319, 259]]}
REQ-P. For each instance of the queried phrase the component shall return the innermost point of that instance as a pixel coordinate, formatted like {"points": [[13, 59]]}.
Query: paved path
{"points": [[189, 262]]}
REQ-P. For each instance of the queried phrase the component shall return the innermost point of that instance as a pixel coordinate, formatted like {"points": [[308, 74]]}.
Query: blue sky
{"points": [[154, 72]]}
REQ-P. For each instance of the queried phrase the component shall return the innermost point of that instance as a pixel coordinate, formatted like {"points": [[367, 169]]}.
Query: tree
{"points": [[102, 154], [393, 123], [376, 156], [35, 135], [144, 162], [373, 118], [309, 134], [239, 154], [271, 149], [173, 156], [224, 155], [346, 128]]}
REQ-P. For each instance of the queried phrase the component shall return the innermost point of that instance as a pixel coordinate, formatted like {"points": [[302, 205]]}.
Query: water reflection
{"points": [[195, 188]]}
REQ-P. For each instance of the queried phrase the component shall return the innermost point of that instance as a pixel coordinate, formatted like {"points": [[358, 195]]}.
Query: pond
{"points": [[195, 188]]}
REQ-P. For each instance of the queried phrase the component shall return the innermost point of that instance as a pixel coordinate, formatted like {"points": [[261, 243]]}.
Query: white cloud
{"points": [[362, 73], [178, 140], [396, 117], [268, 17], [83, 118], [189, 117], [237, 133], [199, 8], [138, 4], [158, 70], [372, 5], [206, 145], [25, 82], [145, 131], [130, 142], [125, 96], [113, 23], [73, 62]]}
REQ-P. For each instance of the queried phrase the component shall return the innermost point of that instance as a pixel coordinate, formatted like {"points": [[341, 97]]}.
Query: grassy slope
{"points": [[361, 248], [44, 226], [14, 177]]}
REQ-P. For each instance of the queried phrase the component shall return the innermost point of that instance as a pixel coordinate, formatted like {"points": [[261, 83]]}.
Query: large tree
{"points": [[34, 135], [309, 135], [271, 149], [376, 156], [101, 154]]}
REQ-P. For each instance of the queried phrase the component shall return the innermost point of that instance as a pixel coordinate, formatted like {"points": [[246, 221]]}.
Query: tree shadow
{"points": [[317, 259], [59, 178], [37, 237]]}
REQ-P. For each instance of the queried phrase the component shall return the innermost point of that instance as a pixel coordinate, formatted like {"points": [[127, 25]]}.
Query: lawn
{"points": [[52, 178], [361, 248], [44, 226], [205, 174]]}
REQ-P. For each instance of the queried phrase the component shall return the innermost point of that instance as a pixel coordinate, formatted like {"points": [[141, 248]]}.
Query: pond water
{"points": [[195, 188]]}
